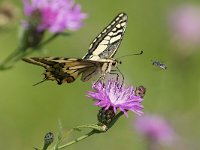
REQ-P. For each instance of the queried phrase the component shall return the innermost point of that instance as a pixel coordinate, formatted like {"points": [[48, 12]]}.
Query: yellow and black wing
{"points": [[66, 69], [103, 47], [107, 42]]}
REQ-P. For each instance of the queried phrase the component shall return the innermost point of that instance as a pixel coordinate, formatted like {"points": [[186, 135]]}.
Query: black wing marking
{"points": [[66, 69], [107, 42]]}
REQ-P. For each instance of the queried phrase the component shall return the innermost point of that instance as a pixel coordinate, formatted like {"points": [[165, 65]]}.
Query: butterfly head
{"points": [[116, 62]]}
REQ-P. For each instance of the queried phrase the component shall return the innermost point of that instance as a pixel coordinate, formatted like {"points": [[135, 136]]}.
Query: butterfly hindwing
{"points": [[89, 73], [107, 42], [66, 69]]}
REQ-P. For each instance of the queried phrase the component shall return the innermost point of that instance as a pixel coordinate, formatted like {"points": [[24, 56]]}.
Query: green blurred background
{"points": [[28, 112]]}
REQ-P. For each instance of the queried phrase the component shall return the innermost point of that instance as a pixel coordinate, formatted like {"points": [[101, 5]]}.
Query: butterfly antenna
{"points": [[40, 82], [141, 52]]}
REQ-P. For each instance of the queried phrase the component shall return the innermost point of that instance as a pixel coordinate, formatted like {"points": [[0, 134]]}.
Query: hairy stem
{"points": [[77, 140]]}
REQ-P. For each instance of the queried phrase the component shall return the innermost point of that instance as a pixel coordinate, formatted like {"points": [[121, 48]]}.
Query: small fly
{"points": [[140, 91], [159, 64]]}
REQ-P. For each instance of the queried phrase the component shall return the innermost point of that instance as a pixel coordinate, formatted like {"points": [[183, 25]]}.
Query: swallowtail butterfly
{"points": [[99, 58]]}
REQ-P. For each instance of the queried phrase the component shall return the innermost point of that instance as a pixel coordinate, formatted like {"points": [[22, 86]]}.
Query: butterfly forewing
{"points": [[107, 42]]}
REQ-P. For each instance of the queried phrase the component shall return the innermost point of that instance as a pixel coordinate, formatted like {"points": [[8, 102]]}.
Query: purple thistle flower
{"points": [[155, 128], [55, 15], [184, 23], [116, 96]]}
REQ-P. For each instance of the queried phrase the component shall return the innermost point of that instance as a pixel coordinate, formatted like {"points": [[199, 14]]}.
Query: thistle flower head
{"points": [[116, 96], [105, 116], [155, 128], [54, 15], [184, 23]]}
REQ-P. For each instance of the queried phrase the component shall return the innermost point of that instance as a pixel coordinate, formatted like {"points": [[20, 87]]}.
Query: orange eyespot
{"points": [[69, 79]]}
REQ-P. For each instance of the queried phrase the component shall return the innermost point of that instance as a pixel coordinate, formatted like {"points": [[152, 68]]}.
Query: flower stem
{"points": [[50, 39], [77, 139], [22, 51], [96, 129], [115, 119], [13, 57]]}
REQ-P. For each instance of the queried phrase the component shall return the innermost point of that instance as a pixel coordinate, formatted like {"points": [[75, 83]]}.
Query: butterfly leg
{"points": [[117, 77], [116, 73], [101, 78], [121, 75]]}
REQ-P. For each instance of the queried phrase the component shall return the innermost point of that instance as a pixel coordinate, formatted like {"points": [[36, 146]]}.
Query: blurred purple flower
{"points": [[184, 23], [55, 15], [155, 128], [114, 95]]}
